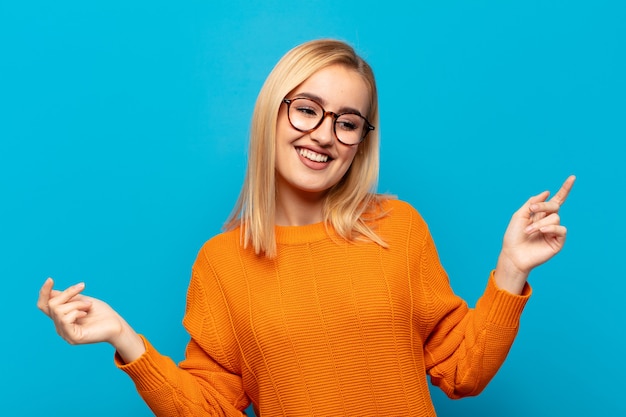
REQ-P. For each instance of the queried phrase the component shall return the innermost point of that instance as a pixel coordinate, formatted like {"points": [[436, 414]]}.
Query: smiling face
{"points": [[309, 164]]}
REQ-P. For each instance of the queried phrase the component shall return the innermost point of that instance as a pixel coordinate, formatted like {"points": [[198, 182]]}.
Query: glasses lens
{"points": [[305, 114], [349, 128]]}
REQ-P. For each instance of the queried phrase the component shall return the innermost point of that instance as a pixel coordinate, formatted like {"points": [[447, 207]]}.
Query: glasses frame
{"points": [[367, 128]]}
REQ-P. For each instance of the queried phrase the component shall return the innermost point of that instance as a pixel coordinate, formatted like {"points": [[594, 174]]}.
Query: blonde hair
{"points": [[350, 204]]}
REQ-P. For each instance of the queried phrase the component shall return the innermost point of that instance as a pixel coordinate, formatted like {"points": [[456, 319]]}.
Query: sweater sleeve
{"points": [[206, 382], [171, 391], [463, 347]]}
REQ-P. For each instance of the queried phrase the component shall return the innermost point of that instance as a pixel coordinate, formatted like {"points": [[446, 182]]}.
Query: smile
{"points": [[312, 156]]}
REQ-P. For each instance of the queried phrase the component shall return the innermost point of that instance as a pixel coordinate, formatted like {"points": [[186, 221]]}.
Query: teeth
{"points": [[313, 156]]}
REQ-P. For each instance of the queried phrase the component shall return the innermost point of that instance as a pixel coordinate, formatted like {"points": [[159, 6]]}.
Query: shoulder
{"points": [[400, 222], [401, 211], [396, 204], [228, 237], [222, 246]]}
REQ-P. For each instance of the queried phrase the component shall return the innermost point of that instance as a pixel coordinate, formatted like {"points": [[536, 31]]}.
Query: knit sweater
{"points": [[328, 328]]}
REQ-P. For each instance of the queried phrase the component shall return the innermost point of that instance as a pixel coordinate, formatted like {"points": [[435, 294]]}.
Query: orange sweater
{"points": [[328, 328]]}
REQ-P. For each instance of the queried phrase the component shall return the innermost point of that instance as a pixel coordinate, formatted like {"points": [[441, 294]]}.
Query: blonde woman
{"points": [[323, 298]]}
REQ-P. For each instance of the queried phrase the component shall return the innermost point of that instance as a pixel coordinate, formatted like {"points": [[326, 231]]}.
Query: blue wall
{"points": [[123, 143]]}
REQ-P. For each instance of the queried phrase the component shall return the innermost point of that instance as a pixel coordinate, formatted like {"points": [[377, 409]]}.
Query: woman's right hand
{"points": [[80, 319]]}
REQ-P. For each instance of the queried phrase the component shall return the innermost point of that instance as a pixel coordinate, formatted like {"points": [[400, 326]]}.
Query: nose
{"points": [[324, 134]]}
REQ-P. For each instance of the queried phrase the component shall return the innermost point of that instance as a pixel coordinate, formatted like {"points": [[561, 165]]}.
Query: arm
{"points": [[466, 347], [208, 381], [203, 388]]}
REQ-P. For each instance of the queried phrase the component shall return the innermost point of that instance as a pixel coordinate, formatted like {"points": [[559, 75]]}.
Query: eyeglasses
{"points": [[306, 115]]}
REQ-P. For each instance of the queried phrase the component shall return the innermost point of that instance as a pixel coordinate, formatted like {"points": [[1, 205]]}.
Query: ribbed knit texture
{"points": [[328, 328]]}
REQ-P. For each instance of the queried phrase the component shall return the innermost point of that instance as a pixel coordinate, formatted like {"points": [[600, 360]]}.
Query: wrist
{"points": [[508, 277], [128, 344]]}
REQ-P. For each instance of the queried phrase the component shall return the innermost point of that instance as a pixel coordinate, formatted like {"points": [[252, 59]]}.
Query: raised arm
{"points": [[466, 347], [534, 235]]}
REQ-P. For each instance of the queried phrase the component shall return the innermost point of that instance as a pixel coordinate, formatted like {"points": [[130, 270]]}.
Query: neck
{"points": [[298, 208]]}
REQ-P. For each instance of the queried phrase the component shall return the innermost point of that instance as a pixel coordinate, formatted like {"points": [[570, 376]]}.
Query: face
{"points": [[308, 164]]}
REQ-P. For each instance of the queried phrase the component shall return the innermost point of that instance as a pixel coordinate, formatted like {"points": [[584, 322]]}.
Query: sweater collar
{"points": [[294, 235]]}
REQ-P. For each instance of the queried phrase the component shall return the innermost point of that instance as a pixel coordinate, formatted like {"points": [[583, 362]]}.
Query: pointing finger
{"points": [[562, 194], [67, 295]]}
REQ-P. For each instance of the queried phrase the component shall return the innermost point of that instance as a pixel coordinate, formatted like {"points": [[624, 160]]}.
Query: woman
{"points": [[323, 298]]}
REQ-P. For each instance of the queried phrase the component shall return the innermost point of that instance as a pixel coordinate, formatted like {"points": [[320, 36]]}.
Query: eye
{"points": [[349, 122], [346, 126], [305, 108], [307, 111]]}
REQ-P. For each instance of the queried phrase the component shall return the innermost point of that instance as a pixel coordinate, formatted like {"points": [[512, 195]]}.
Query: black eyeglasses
{"points": [[306, 115]]}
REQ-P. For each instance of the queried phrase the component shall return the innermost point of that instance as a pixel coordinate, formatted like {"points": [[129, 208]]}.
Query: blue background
{"points": [[123, 132]]}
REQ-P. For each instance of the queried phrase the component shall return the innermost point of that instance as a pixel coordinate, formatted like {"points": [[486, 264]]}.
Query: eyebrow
{"points": [[324, 103]]}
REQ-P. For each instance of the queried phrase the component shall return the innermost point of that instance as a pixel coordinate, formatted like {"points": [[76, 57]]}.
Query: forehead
{"points": [[337, 87]]}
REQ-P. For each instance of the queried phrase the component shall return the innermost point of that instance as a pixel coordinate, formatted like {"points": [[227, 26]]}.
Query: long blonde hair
{"points": [[350, 203]]}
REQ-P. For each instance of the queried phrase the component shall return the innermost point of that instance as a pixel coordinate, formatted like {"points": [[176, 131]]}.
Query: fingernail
{"points": [[534, 207], [529, 228]]}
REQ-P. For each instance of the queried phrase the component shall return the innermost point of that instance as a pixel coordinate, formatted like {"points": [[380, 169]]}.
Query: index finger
{"points": [[61, 297], [562, 194]]}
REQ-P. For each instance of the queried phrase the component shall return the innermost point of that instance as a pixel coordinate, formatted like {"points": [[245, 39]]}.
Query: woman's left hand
{"points": [[534, 235]]}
